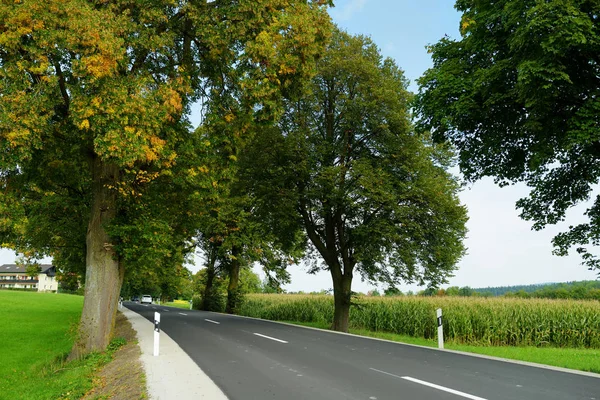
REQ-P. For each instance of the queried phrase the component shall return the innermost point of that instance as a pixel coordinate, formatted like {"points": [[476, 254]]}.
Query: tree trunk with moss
{"points": [[104, 275], [233, 290], [211, 300]]}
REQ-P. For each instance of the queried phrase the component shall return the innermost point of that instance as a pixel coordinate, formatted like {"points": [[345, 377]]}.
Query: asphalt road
{"points": [[252, 359]]}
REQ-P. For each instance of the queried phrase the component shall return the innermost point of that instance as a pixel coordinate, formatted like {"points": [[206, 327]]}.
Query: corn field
{"points": [[481, 321]]}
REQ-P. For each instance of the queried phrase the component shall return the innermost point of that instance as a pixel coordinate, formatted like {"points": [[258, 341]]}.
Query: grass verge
{"points": [[179, 304], [37, 334], [580, 359]]}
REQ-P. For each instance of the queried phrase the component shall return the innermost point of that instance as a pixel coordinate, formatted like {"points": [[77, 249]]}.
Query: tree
{"points": [[518, 95], [270, 286], [249, 281], [345, 165], [93, 122], [68, 281], [393, 291], [33, 270], [453, 291]]}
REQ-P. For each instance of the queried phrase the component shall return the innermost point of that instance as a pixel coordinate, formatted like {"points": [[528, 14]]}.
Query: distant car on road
{"points": [[135, 298], [146, 299]]}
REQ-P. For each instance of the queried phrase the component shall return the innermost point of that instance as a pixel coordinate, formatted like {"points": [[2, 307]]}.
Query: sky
{"points": [[502, 248]]}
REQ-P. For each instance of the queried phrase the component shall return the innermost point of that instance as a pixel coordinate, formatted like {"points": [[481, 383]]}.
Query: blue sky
{"points": [[402, 29]]}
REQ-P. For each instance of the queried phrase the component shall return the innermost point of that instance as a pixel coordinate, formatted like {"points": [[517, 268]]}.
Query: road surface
{"points": [[257, 360]]}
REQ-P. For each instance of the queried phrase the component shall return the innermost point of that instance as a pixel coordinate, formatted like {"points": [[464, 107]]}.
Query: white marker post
{"points": [[440, 329], [191, 303], [156, 332]]}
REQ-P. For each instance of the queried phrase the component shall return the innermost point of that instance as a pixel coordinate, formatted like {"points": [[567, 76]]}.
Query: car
{"points": [[146, 299], [135, 298]]}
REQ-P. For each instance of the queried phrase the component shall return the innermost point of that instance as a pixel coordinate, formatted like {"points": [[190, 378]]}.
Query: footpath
{"points": [[172, 375]]}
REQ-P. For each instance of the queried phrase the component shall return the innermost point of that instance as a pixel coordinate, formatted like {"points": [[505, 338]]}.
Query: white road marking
{"points": [[182, 313], [269, 337], [432, 385], [165, 309], [210, 320]]}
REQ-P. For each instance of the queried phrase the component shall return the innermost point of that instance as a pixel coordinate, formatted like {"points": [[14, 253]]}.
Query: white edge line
{"points": [[387, 373], [269, 337], [442, 388], [182, 313], [463, 353], [432, 385], [210, 320]]}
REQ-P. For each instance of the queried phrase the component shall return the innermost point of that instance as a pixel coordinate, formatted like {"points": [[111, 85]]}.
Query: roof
{"points": [[14, 268]]}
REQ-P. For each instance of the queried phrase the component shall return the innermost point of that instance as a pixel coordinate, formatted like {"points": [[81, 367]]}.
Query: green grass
{"points": [[36, 335], [580, 359], [179, 304]]}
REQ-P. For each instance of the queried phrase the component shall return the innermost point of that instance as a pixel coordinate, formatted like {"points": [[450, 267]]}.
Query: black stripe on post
{"points": [[439, 321]]}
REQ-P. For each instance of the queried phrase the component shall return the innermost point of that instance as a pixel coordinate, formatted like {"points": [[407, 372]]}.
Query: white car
{"points": [[146, 299]]}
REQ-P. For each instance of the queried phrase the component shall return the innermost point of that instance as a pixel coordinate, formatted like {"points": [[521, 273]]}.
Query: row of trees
{"points": [[99, 166], [566, 290], [305, 146]]}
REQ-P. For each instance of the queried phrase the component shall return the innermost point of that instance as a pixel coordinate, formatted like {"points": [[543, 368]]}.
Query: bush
{"points": [[215, 301]]}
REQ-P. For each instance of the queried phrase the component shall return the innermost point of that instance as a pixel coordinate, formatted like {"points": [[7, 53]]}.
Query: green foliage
{"points": [[94, 116], [583, 290], [518, 95], [33, 270], [249, 281], [345, 166], [215, 299], [68, 282], [116, 343], [392, 291], [490, 322]]}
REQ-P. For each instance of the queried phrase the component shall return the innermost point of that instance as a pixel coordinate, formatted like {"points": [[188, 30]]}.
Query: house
{"points": [[15, 276]]}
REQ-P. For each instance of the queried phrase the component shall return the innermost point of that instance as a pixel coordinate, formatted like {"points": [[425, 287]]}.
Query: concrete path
{"points": [[173, 374]]}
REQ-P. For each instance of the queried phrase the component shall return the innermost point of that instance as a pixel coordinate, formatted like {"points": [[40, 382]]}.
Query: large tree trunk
{"points": [[208, 296], [104, 275], [233, 292], [342, 296]]}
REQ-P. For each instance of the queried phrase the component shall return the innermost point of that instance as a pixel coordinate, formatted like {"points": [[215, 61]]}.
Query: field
{"points": [[36, 335], [478, 321], [564, 333]]}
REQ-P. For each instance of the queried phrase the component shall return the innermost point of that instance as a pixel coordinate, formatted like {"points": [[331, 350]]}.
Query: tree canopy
{"points": [[97, 157], [518, 95], [345, 165]]}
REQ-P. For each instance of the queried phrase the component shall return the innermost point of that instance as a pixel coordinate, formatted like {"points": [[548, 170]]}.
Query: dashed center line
{"points": [[210, 320], [182, 313], [432, 385], [269, 337]]}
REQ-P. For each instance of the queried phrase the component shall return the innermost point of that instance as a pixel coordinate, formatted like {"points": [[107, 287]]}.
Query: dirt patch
{"points": [[123, 378]]}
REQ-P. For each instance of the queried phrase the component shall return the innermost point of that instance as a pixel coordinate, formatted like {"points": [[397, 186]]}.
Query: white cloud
{"points": [[345, 10]]}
